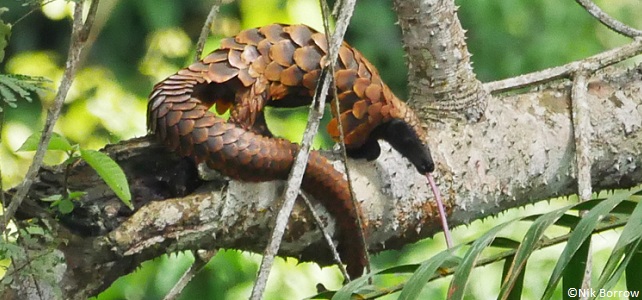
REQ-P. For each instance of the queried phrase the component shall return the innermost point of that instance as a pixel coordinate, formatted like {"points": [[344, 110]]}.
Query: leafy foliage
{"points": [[535, 33], [106, 168], [64, 203], [621, 210], [57, 142], [31, 256], [15, 86]]}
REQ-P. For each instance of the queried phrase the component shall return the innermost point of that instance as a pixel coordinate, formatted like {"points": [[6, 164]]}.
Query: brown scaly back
{"points": [[178, 115], [280, 65]]}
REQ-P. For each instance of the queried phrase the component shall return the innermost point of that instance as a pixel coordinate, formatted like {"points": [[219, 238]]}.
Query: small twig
{"points": [[200, 261], [80, 32], [205, 31], [345, 12], [607, 20], [582, 131], [591, 64], [335, 9], [33, 9], [326, 235], [293, 184], [291, 190]]}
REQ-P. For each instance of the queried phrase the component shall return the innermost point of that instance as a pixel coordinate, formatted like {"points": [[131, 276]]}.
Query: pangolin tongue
{"points": [[442, 213]]}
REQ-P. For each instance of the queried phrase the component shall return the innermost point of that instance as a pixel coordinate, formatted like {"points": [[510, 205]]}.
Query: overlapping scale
{"points": [[259, 67], [221, 72], [300, 34]]}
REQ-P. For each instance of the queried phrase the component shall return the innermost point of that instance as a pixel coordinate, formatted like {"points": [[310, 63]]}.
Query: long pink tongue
{"points": [[442, 213]]}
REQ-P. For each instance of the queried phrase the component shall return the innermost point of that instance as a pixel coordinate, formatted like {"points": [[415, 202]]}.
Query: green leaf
{"points": [[110, 172], [631, 233], [574, 273], [517, 284], [634, 269], [528, 245], [57, 142], [7, 96], [568, 221], [419, 279], [15, 86], [65, 206], [581, 232], [460, 279], [76, 195], [621, 267], [502, 242], [345, 293]]}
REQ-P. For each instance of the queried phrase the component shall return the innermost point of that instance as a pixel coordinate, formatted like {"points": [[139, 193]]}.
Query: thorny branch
{"points": [[593, 63], [80, 32], [607, 20], [589, 64]]}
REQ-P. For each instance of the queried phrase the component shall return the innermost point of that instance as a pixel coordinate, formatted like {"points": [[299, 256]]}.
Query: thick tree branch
{"points": [[440, 73], [522, 152]]}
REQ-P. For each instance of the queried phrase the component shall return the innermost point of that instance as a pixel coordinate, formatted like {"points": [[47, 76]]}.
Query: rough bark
{"points": [[440, 74], [520, 153]]}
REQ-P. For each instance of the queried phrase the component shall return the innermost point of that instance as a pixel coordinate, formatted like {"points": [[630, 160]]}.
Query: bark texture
{"points": [[520, 153], [440, 73]]}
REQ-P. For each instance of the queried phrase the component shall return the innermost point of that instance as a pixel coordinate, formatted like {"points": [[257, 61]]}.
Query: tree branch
{"points": [[607, 20], [589, 64], [582, 132], [440, 74], [205, 30], [521, 153]]}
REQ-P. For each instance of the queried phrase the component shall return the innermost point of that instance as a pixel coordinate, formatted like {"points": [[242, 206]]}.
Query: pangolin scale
{"points": [[280, 65]]}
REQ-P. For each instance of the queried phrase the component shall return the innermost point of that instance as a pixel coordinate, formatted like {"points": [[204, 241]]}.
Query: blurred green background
{"points": [[138, 43]]}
